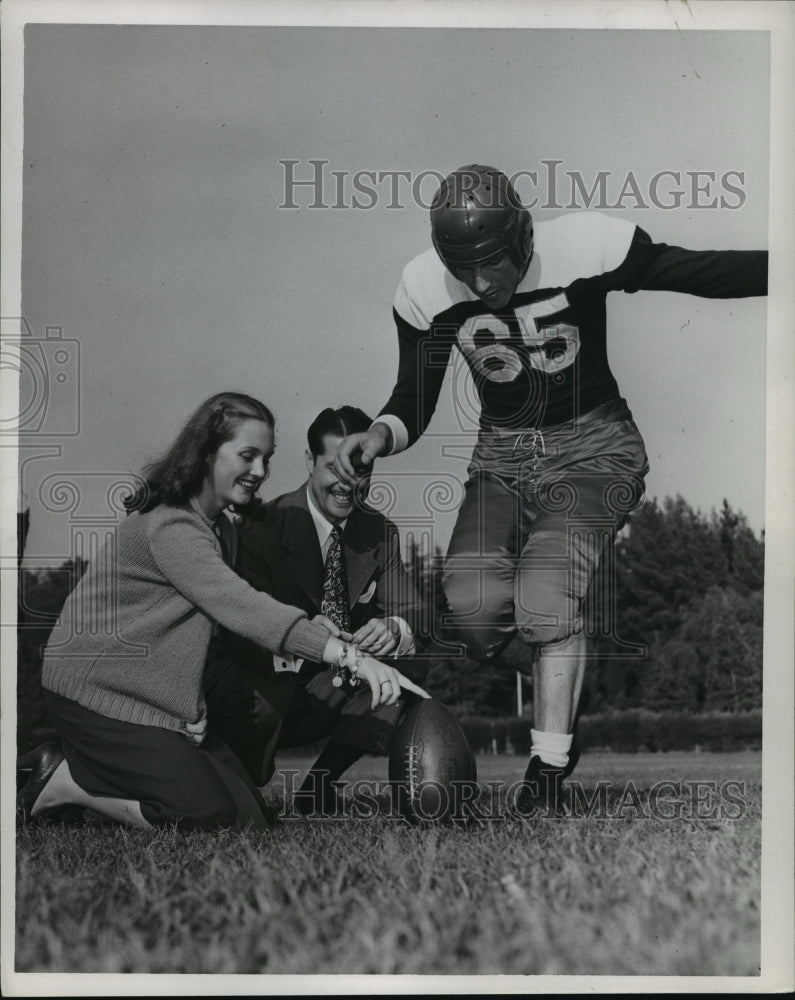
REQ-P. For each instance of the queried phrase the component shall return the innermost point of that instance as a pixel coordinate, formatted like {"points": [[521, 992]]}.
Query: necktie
{"points": [[335, 584]]}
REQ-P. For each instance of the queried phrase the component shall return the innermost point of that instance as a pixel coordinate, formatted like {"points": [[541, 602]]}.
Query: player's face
{"points": [[333, 498], [493, 281], [238, 468]]}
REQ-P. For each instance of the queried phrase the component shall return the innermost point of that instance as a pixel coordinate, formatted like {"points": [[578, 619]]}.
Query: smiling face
{"points": [[332, 498], [238, 468], [493, 280]]}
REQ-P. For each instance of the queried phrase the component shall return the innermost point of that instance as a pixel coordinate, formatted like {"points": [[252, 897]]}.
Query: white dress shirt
{"points": [[323, 527]]}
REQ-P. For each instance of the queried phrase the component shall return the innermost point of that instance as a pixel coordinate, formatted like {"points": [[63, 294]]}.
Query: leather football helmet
{"points": [[477, 214]]}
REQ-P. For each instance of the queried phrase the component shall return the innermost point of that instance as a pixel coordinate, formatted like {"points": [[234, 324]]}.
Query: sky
{"points": [[156, 239]]}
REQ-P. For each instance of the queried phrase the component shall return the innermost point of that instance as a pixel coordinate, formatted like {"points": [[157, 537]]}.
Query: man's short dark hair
{"points": [[341, 422]]}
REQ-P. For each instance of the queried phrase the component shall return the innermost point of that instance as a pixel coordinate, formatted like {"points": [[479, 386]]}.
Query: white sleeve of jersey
{"points": [[404, 307], [581, 245], [400, 434], [426, 288]]}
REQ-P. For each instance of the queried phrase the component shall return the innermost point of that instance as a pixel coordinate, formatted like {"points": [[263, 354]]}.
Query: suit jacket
{"points": [[278, 552]]}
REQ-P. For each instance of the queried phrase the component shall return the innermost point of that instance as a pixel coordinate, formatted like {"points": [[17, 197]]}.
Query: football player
{"points": [[559, 463]]}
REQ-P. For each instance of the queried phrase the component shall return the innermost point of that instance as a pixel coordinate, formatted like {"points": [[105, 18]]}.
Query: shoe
{"points": [[541, 792], [42, 764], [317, 796]]}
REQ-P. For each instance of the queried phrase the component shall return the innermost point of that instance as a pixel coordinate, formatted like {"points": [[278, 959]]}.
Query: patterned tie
{"points": [[335, 584]]}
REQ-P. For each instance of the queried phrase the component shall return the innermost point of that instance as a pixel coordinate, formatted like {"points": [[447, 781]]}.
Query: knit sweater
{"points": [[133, 636]]}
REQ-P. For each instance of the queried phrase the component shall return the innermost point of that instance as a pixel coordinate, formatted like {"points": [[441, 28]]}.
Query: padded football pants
{"points": [[539, 510]]}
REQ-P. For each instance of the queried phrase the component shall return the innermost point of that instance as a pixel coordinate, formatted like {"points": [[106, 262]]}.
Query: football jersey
{"points": [[542, 359]]}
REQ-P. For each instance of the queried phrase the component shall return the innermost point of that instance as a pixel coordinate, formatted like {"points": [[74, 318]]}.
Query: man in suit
{"points": [[319, 548]]}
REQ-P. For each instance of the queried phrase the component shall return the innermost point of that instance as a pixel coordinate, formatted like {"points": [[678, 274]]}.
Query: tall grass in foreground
{"points": [[628, 896]]}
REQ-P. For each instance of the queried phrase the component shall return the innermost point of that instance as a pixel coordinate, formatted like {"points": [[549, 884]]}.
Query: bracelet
{"points": [[353, 665], [346, 668]]}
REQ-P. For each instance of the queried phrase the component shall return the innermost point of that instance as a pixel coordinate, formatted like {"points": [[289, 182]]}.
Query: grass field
{"points": [[629, 893]]}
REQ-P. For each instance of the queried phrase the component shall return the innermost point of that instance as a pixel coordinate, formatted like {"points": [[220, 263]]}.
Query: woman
{"points": [[122, 671]]}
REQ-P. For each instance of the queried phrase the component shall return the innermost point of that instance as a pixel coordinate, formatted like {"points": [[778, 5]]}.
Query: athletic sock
{"points": [[552, 748]]}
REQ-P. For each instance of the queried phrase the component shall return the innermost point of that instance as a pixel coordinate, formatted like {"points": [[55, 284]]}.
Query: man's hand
{"points": [[332, 629], [357, 452], [377, 637]]}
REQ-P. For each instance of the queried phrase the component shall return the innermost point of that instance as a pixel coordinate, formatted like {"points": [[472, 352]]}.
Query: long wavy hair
{"points": [[178, 474]]}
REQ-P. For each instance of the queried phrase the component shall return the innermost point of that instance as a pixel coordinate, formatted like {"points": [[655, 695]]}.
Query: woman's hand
{"points": [[385, 682], [195, 731], [331, 628]]}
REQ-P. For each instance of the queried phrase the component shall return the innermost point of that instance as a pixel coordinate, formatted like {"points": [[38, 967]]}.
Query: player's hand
{"points": [[331, 628], [385, 682], [377, 637], [357, 452], [195, 731]]}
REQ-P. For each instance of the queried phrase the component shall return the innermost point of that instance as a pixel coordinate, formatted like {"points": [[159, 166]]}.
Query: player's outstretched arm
{"points": [[356, 454], [714, 274]]}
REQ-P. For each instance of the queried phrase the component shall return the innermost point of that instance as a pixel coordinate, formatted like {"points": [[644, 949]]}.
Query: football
{"points": [[432, 770]]}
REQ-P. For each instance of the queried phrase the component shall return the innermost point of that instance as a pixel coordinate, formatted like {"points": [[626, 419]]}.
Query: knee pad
{"points": [[478, 586], [480, 598], [543, 634], [545, 627]]}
